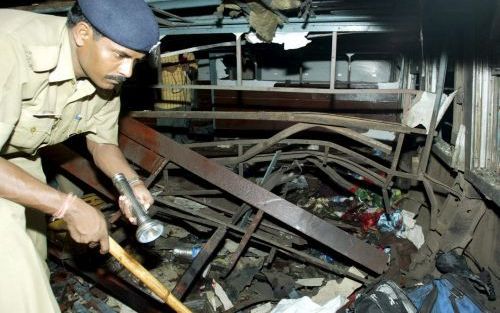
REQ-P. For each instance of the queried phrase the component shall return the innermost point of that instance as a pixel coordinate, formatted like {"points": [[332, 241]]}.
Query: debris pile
{"points": [[265, 229]]}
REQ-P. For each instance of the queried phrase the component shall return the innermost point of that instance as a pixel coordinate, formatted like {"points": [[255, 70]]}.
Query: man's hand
{"points": [[110, 159], [86, 224], [143, 196]]}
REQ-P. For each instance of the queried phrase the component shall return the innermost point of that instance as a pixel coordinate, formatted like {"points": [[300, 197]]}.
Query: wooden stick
{"points": [[146, 277]]}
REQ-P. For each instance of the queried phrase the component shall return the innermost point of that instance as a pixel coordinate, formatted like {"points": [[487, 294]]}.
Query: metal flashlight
{"points": [[148, 229]]}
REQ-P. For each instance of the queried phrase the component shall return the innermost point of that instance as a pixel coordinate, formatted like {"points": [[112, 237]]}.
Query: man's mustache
{"points": [[117, 78]]}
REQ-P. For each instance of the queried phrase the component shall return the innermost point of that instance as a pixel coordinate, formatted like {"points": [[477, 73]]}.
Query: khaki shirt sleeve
{"points": [[10, 87], [106, 123]]}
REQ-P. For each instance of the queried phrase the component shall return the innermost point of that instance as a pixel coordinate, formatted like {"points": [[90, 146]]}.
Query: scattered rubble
{"points": [[271, 244]]}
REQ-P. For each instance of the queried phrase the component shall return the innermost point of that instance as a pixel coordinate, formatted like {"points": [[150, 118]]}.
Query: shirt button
{"points": [[33, 130]]}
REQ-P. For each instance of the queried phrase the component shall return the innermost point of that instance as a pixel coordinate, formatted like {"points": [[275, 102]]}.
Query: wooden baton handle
{"points": [[145, 277]]}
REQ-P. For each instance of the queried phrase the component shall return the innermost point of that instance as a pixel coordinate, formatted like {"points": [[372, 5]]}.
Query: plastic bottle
{"points": [[355, 175], [340, 199], [186, 252], [377, 153], [326, 258]]}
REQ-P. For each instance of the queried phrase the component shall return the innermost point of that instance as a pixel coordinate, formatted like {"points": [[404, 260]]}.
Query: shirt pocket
{"points": [[87, 122], [31, 132]]}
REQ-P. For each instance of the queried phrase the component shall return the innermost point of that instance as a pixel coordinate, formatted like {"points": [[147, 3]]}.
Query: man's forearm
{"points": [[110, 159], [18, 186]]}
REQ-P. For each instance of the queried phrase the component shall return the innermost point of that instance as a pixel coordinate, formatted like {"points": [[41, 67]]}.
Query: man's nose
{"points": [[126, 68]]}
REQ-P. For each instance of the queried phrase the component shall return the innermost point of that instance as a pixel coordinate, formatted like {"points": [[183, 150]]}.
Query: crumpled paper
{"points": [[305, 304]]}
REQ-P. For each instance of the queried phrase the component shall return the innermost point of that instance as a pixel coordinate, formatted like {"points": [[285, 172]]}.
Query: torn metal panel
{"points": [[301, 220], [420, 112]]}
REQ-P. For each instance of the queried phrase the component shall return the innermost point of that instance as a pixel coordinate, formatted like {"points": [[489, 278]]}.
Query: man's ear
{"points": [[82, 32]]}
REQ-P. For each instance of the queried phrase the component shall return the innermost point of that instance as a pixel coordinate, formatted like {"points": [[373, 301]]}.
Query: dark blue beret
{"points": [[129, 23]]}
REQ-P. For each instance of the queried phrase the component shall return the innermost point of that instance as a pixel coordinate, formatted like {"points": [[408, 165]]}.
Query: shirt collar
{"points": [[64, 69]]}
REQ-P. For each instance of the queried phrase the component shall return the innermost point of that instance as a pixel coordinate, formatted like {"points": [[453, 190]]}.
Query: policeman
{"points": [[59, 77]]}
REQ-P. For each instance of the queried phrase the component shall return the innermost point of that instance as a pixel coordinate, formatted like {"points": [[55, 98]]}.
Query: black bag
{"points": [[384, 297]]}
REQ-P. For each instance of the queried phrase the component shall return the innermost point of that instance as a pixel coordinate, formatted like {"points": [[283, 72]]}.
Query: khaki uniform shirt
{"points": [[41, 101]]}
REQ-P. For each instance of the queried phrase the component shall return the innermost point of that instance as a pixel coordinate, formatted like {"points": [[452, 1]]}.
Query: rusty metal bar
{"points": [[262, 158], [265, 226], [360, 138], [198, 192], [333, 60], [290, 89], [355, 166], [325, 155], [342, 149], [395, 160], [342, 161], [240, 165], [336, 177], [241, 212], [74, 164], [244, 210], [354, 135], [201, 48], [303, 221], [358, 156], [163, 12], [263, 145], [199, 262], [147, 159], [424, 159], [239, 70], [244, 241], [271, 256], [433, 203], [390, 175], [209, 203], [155, 173], [268, 184], [386, 200], [298, 117]]}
